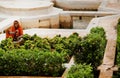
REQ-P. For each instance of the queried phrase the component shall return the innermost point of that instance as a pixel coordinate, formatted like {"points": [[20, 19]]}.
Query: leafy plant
{"points": [[80, 71], [45, 56], [117, 74], [92, 48], [31, 62], [7, 44], [36, 55]]}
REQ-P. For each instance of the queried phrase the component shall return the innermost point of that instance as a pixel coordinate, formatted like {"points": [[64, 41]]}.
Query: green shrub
{"points": [[80, 71], [118, 37], [31, 62], [71, 43], [92, 48], [7, 44], [117, 74], [45, 56], [36, 55]]}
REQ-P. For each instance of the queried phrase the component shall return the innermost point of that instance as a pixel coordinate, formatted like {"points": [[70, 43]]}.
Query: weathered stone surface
{"points": [[78, 4]]}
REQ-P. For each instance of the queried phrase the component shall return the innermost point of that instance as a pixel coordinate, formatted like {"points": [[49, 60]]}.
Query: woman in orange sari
{"points": [[15, 31]]}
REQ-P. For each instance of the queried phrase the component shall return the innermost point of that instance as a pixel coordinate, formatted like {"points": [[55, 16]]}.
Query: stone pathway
{"points": [[109, 24]]}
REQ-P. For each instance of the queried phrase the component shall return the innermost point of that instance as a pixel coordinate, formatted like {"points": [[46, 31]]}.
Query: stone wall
{"points": [[51, 21], [77, 4], [65, 21]]}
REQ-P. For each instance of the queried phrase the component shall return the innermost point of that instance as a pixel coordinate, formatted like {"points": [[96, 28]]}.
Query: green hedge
{"points": [[66, 45], [31, 62], [80, 71], [36, 55], [92, 49]]}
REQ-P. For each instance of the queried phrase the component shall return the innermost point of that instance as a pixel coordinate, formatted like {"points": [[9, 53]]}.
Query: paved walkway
{"points": [[107, 67]]}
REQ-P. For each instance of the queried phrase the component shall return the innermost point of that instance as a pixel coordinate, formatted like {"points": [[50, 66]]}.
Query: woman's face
{"points": [[16, 24]]}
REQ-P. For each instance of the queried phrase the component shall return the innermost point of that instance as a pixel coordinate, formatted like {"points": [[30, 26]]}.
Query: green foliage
{"points": [[60, 44], [66, 45], [45, 56], [92, 48], [31, 62], [26, 37], [7, 44], [98, 30], [74, 42], [36, 55], [80, 71], [118, 43], [117, 74], [118, 37]]}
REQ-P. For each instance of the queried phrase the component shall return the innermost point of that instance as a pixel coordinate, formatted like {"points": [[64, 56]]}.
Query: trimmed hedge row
{"points": [[31, 62]]}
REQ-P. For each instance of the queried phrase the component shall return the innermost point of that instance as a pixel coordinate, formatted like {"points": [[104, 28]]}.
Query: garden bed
{"points": [[37, 56], [41, 57]]}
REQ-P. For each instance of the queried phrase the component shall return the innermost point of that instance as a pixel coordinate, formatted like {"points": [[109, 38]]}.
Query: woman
{"points": [[15, 31]]}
